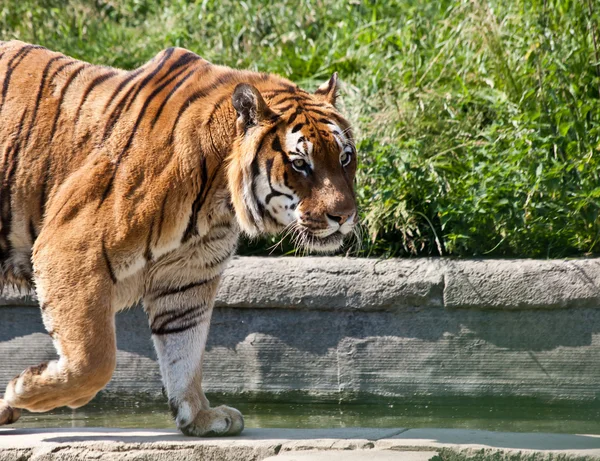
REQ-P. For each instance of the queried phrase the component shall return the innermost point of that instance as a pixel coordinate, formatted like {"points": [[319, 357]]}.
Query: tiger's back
{"points": [[61, 118]]}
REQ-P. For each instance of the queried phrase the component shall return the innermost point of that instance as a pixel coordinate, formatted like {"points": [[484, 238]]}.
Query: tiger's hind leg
{"points": [[77, 312]]}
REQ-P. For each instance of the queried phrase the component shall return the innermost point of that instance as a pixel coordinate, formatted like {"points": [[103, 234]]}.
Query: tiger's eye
{"points": [[345, 158], [299, 164]]}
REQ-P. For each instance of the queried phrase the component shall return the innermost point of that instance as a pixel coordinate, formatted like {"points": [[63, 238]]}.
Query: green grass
{"points": [[477, 122]]}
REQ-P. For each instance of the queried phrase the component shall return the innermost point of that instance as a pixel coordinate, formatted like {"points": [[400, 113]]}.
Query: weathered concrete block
{"points": [[332, 329], [520, 284], [331, 283]]}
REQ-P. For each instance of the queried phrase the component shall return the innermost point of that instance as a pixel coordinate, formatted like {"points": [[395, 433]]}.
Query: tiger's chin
{"points": [[323, 245]]}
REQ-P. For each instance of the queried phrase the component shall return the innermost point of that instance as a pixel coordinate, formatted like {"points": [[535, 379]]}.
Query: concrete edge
{"points": [[260, 444], [335, 283]]}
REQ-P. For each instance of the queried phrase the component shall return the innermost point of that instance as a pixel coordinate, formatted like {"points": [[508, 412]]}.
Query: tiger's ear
{"points": [[328, 90], [250, 106]]}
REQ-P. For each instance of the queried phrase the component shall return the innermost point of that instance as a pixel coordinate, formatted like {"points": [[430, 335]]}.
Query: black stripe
{"points": [[182, 61], [185, 106], [293, 117], [168, 96], [148, 251], [191, 318], [285, 89], [213, 238], [93, 84], [150, 76], [61, 68], [142, 112], [295, 98], [216, 106], [161, 218], [276, 145], [38, 98], [111, 272], [284, 109], [271, 130], [192, 227], [297, 128], [44, 191], [8, 171], [181, 289], [116, 113], [168, 331], [216, 151], [140, 116], [130, 96], [220, 81], [315, 109], [173, 315], [32, 231], [121, 85], [20, 55], [274, 192], [63, 92]]}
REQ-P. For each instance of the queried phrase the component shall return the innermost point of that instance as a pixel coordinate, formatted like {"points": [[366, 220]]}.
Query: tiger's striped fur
{"points": [[117, 186]]}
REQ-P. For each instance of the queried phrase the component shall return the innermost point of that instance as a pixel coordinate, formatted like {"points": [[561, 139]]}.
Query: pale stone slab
{"points": [[462, 439], [355, 455], [522, 283], [11, 437], [331, 283], [288, 444], [335, 283]]}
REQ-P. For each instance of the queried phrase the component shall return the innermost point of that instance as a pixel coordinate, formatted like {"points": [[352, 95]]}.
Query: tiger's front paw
{"points": [[218, 421], [8, 414]]}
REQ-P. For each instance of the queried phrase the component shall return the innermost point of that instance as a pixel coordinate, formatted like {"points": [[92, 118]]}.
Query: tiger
{"points": [[126, 186]]}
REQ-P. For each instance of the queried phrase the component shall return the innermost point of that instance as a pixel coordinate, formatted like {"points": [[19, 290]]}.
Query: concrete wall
{"points": [[347, 329]]}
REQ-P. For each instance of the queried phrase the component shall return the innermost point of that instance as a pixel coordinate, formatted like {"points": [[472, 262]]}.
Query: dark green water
{"points": [[505, 415]]}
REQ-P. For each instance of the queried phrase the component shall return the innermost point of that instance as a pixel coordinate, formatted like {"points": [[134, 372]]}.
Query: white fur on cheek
{"points": [[282, 208], [303, 148], [338, 134]]}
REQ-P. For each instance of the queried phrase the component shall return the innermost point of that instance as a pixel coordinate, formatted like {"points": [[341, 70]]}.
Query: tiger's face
{"points": [[295, 165]]}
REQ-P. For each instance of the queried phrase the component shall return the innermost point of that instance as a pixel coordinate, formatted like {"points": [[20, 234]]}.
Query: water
{"points": [[505, 415]]}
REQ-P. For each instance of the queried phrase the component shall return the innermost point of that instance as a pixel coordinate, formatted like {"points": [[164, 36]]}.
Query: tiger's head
{"points": [[293, 164]]}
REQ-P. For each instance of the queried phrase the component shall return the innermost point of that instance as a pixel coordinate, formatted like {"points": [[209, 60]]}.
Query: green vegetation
{"points": [[477, 122]]}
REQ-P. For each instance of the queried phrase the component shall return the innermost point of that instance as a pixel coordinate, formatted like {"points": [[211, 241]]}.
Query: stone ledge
{"points": [[522, 284], [291, 444], [332, 283]]}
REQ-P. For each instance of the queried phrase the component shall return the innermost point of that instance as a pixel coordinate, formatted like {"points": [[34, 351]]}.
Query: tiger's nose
{"points": [[340, 218]]}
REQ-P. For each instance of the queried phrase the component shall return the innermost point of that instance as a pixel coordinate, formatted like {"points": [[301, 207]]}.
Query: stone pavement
{"points": [[347, 444]]}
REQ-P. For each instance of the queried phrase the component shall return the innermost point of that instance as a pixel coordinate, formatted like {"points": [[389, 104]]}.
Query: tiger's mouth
{"points": [[325, 244]]}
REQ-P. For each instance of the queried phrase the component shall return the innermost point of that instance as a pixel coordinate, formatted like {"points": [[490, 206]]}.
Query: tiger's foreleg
{"points": [[179, 308], [74, 291]]}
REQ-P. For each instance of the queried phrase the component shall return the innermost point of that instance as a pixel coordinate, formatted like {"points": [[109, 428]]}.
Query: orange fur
{"points": [[121, 185]]}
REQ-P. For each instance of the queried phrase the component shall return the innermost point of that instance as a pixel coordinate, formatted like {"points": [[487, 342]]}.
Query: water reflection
{"points": [[476, 414]]}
